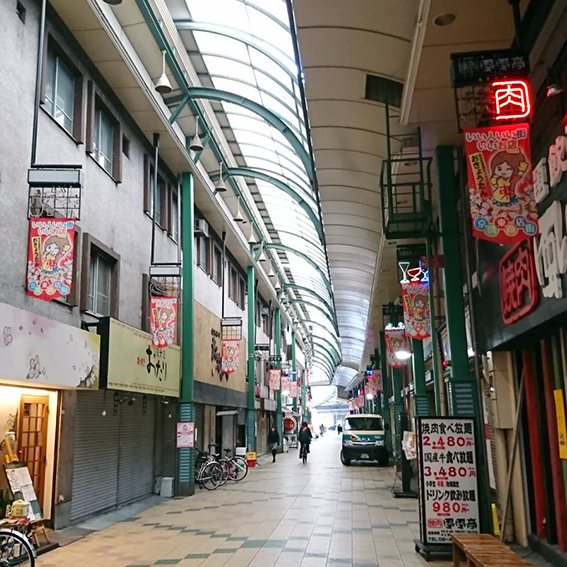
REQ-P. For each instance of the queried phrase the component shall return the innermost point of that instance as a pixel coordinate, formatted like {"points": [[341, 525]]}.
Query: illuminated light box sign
{"points": [[448, 485], [510, 99]]}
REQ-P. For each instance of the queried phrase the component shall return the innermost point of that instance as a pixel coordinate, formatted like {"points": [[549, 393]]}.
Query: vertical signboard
{"points": [[448, 486], [163, 320]]}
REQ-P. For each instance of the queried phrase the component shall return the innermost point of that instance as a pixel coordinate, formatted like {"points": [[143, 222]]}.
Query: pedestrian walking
{"points": [[339, 428], [274, 441]]}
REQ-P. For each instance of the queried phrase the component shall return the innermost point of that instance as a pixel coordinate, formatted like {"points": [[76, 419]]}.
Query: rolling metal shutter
{"points": [[136, 454], [95, 465], [169, 440]]}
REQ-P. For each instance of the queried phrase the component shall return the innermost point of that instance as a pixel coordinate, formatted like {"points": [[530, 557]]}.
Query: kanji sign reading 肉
{"points": [[448, 488]]}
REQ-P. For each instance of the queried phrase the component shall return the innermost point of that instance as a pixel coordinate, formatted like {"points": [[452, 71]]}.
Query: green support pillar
{"points": [[419, 392], [278, 348], [186, 457], [251, 417], [462, 388], [462, 393], [304, 397], [386, 393], [437, 371], [398, 410]]}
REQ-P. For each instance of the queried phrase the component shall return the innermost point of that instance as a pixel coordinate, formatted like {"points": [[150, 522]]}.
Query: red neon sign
{"points": [[511, 99]]}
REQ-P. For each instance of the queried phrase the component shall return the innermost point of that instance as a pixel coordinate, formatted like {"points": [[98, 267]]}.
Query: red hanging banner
{"points": [[50, 258], [275, 378], [230, 356], [163, 320], [503, 207], [395, 342], [292, 387], [415, 300]]}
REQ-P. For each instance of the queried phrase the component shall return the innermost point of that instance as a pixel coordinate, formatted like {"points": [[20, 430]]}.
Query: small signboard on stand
{"points": [[448, 483]]}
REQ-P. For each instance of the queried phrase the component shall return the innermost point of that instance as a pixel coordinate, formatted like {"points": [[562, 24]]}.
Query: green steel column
{"points": [[437, 371], [251, 418], [186, 457], [304, 397], [419, 392], [294, 373], [278, 348], [398, 410], [385, 409], [462, 387]]}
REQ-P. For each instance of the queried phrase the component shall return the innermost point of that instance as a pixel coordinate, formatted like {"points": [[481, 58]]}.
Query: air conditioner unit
{"points": [[202, 228]]}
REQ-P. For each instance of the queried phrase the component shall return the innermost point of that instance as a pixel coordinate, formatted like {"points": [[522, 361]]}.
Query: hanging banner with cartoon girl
{"points": [[230, 356], [292, 389], [503, 207], [50, 258], [163, 320], [417, 320], [275, 377], [395, 341]]}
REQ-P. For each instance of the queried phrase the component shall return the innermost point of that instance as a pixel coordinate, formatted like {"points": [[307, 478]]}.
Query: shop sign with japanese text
{"points": [[50, 258], [519, 291], [448, 487], [130, 361], [503, 207]]}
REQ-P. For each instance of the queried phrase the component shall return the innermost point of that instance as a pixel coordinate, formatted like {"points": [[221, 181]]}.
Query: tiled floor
{"points": [[287, 514]]}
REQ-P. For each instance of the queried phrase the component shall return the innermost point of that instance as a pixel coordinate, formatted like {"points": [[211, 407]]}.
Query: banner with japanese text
{"points": [[275, 377], [50, 258], [395, 341], [503, 208], [230, 356], [417, 317], [163, 320], [292, 387], [448, 486]]}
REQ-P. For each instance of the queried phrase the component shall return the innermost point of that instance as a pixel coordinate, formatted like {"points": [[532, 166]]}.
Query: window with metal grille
{"points": [[380, 89]]}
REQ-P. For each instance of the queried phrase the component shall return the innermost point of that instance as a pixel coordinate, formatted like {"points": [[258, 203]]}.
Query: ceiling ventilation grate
{"points": [[380, 89]]}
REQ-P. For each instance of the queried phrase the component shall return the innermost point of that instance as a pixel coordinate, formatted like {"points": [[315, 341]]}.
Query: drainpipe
{"points": [[278, 349], [186, 457], [38, 81]]}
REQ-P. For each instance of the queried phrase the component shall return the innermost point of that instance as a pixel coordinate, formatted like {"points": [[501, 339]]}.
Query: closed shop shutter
{"points": [[169, 440], [95, 464], [136, 455]]}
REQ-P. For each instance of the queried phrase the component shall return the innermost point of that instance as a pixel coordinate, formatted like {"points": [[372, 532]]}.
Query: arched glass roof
{"points": [[247, 49]]}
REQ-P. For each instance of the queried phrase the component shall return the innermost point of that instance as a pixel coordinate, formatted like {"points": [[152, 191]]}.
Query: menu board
{"points": [[21, 486], [448, 487]]}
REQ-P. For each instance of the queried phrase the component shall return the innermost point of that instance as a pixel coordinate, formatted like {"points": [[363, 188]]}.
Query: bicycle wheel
{"points": [[239, 469], [15, 549], [225, 467], [211, 475], [304, 455]]}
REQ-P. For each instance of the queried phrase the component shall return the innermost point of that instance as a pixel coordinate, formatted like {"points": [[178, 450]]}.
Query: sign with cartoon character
{"points": [[230, 356], [163, 318], [395, 342], [415, 300], [503, 208], [50, 258]]}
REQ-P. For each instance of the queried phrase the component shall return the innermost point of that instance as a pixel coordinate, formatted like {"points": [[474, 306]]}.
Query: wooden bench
{"points": [[483, 550]]}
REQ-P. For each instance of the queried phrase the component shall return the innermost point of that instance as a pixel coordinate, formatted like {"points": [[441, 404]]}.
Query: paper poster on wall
{"points": [[448, 487], [275, 378], [50, 258], [503, 208], [185, 435], [163, 319], [230, 356]]}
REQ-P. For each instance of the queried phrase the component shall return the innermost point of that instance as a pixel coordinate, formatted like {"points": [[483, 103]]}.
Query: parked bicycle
{"points": [[234, 468], [303, 451], [231, 468], [16, 550], [208, 472]]}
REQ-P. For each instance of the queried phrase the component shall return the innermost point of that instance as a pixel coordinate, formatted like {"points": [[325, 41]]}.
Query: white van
{"points": [[364, 439]]}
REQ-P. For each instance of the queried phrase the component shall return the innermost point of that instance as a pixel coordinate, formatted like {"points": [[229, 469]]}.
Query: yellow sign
{"points": [[561, 429], [135, 365], [250, 456]]}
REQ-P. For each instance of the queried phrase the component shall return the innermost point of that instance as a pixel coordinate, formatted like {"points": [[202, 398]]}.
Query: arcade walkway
{"points": [[287, 514]]}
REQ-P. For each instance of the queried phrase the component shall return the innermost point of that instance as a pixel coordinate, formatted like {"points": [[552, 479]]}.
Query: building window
{"points": [[242, 294], [126, 146], [257, 314], [233, 284], [216, 274], [21, 11], [104, 140], [174, 225], [60, 91], [100, 285], [203, 253]]}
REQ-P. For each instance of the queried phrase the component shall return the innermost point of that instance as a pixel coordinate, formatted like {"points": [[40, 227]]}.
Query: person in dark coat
{"points": [[339, 428], [274, 441], [304, 438]]}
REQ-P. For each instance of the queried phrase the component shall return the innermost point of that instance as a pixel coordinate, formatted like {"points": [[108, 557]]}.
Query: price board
{"points": [[448, 484]]}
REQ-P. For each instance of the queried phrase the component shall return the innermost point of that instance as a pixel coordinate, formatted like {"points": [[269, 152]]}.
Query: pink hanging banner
{"points": [[292, 389], [395, 342], [275, 379], [415, 300], [230, 356], [163, 320]]}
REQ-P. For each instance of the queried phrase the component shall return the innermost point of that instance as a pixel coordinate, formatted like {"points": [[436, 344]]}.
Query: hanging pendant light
{"points": [[277, 287], [163, 86], [252, 237], [263, 257], [196, 145], [220, 187], [238, 215], [271, 273], [113, 2]]}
